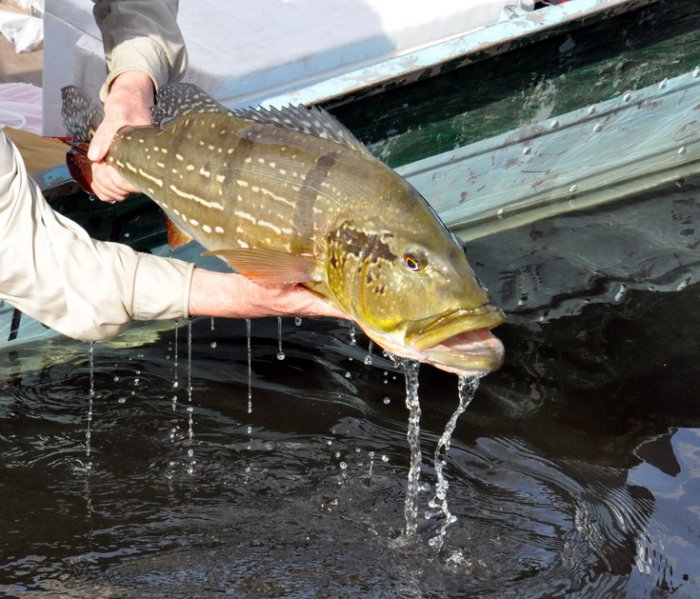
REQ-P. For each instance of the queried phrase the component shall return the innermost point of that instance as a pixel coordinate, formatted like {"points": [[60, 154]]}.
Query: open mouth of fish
{"points": [[460, 342]]}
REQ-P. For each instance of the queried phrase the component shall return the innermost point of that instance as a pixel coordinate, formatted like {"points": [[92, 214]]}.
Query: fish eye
{"points": [[414, 259]]}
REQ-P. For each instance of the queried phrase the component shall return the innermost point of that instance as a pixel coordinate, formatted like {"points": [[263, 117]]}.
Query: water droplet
{"points": [[663, 84], [190, 453], [280, 355], [573, 189], [213, 345], [627, 97], [343, 466], [527, 150], [368, 360], [554, 124], [116, 379], [598, 127], [386, 400], [592, 110], [121, 400], [297, 320], [348, 375], [500, 213], [176, 384], [385, 458], [681, 150]]}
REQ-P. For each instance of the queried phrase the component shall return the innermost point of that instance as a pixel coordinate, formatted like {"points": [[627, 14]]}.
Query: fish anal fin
{"points": [[176, 236], [269, 267]]}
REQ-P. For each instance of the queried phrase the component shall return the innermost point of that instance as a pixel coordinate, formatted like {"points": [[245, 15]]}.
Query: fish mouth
{"points": [[460, 342]]}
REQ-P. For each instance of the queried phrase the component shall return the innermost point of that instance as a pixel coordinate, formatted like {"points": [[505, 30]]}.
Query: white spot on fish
{"points": [[190, 167], [206, 228], [160, 165], [131, 167], [179, 157], [268, 225], [261, 160], [245, 216], [190, 196], [194, 221], [219, 229], [204, 172], [242, 183], [221, 178], [242, 243], [282, 171], [156, 180]]}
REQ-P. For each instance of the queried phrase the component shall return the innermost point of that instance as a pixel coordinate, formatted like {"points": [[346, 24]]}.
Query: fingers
{"points": [[128, 104], [108, 185]]}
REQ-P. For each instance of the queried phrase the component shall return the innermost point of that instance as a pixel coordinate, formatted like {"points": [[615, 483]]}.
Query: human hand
{"points": [[128, 103], [232, 295]]}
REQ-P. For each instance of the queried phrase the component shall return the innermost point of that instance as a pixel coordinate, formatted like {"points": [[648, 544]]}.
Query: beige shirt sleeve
{"points": [[53, 271], [141, 35]]}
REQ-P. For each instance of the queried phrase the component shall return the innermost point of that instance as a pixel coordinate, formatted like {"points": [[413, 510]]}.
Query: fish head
{"points": [[415, 295]]}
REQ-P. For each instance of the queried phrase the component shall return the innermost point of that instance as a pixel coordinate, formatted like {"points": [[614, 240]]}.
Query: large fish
{"points": [[291, 196]]}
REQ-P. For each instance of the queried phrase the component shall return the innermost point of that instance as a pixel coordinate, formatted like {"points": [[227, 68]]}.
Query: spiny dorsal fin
{"points": [[176, 99], [314, 121], [81, 115]]}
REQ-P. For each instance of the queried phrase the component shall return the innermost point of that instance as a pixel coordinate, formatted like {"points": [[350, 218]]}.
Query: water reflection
{"points": [[574, 471]]}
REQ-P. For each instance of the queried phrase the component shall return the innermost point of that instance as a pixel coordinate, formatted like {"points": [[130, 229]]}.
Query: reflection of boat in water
{"points": [[534, 115]]}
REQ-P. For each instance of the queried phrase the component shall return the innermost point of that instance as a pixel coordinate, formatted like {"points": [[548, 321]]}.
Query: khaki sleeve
{"points": [[141, 35], [53, 271]]}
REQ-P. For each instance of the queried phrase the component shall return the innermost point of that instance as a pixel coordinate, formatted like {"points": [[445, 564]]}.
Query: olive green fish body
{"points": [[292, 196]]}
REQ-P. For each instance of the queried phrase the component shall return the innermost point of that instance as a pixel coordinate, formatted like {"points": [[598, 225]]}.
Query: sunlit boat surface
{"points": [[539, 114]]}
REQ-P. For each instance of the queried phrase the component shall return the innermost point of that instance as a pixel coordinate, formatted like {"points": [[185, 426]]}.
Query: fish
{"points": [[290, 196]]}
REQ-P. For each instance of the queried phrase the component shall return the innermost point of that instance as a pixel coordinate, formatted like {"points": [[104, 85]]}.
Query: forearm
{"points": [[235, 296], [141, 35], [52, 270]]}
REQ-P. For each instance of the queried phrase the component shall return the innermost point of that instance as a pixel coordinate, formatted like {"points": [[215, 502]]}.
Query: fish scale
{"points": [[290, 196]]}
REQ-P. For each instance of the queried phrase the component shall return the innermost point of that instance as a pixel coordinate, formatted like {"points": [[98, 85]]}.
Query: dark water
{"points": [[574, 472]]}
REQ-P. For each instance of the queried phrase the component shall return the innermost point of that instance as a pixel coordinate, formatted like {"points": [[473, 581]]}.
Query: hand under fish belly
{"points": [[290, 196]]}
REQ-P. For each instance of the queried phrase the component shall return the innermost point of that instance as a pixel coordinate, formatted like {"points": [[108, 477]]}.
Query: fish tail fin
{"points": [[81, 117]]}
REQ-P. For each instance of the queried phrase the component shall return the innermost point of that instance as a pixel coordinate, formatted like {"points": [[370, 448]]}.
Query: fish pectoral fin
{"points": [[269, 267], [176, 236]]}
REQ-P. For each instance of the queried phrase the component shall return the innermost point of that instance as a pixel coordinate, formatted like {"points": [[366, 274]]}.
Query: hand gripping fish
{"points": [[291, 196]]}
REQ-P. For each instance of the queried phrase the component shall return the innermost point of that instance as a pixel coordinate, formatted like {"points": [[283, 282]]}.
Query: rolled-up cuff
{"points": [[158, 285], [138, 54]]}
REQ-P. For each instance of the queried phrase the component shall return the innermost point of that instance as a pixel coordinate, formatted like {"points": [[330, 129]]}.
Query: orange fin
{"points": [[79, 165], [176, 236], [269, 267]]}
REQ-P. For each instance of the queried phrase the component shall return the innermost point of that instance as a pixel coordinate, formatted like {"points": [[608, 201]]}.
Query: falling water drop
{"points": [[176, 384], [368, 357], [91, 399], [280, 353], [467, 387], [411, 368], [250, 366], [211, 324], [297, 320], [353, 334]]}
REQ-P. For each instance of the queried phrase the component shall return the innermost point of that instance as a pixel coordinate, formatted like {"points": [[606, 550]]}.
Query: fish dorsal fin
{"points": [[313, 121], [177, 99], [269, 267], [81, 114]]}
